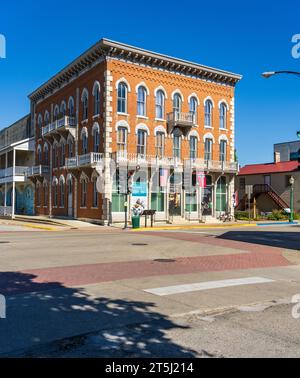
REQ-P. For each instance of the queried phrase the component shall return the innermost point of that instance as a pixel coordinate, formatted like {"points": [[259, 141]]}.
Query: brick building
{"points": [[118, 105]]}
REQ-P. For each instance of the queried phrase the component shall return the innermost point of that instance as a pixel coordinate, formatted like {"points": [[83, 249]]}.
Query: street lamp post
{"points": [[292, 181]]}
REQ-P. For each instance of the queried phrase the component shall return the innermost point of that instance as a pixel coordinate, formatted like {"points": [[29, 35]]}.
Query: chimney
{"points": [[277, 157]]}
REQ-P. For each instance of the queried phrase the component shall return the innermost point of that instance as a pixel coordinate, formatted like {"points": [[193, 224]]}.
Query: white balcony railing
{"points": [[181, 119], [123, 156], [213, 165], [65, 122], [8, 172], [39, 170], [91, 159]]}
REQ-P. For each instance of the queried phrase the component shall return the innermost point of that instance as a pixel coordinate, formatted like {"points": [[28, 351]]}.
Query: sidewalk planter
{"points": [[136, 222]]}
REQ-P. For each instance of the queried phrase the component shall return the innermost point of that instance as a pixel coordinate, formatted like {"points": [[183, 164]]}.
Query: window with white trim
{"points": [[122, 139], [141, 101], [208, 113], [85, 106], [62, 155], [193, 108], [96, 140], [62, 193], [55, 194], [96, 100], [177, 146], [160, 105], [71, 107], [193, 147], [122, 98], [223, 116], [84, 143], [223, 150], [141, 142], [208, 148], [177, 103], [160, 144]]}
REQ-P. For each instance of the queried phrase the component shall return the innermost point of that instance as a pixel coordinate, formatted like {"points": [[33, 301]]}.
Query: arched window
{"points": [[45, 190], [39, 153], [83, 193], [46, 154], [193, 108], [85, 105], [208, 146], [223, 150], [70, 147], [95, 194], [122, 98], [40, 125], [62, 192], [177, 146], [141, 142], [96, 94], [96, 136], [84, 138], [62, 154], [46, 118], [141, 101], [208, 113], [193, 147], [177, 103], [122, 140], [160, 104], [63, 109], [71, 107], [55, 192], [223, 116], [56, 113]]}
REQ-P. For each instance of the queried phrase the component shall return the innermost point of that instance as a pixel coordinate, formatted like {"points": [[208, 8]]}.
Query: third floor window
{"points": [[122, 98], [141, 101]]}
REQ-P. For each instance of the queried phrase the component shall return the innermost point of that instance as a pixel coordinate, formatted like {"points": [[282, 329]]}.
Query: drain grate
{"points": [[165, 260]]}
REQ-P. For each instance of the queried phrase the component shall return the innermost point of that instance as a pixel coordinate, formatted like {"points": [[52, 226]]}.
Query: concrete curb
{"points": [[194, 227]]}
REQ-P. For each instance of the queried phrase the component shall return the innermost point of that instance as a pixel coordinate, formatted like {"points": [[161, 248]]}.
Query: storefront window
{"points": [[118, 199], [191, 202], [221, 204]]}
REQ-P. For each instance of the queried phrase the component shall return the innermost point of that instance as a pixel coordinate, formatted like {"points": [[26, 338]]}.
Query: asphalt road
{"points": [[86, 293]]}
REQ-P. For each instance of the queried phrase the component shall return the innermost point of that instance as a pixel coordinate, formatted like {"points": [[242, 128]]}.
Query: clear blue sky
{"points": [[44, 36]]}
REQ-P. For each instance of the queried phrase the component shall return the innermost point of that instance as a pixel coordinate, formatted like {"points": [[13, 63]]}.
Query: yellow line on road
{"points": [[45, 228], [194, 227]]}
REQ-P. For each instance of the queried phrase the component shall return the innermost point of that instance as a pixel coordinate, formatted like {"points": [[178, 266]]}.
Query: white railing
{"points": [[5, 211], [212, 165], [92, 158], [38, 170], [8, 172], [181, 118], [123, 156], [64, 122]]}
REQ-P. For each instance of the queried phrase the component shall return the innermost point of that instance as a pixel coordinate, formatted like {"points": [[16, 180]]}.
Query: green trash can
{"points": [[136, 221]]}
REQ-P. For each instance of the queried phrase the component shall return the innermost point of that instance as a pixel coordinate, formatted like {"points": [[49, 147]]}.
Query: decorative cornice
{"points": [[106, 48]]}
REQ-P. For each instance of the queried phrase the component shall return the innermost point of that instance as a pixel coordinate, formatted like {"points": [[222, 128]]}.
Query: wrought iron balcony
{"points": [[92, 159], [64, 124], [37, 171], [182, 120]]}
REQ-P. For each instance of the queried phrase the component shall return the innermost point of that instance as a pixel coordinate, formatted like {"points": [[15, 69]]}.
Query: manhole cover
{"points": [[4, 242], [165, 260], [139, 244]]}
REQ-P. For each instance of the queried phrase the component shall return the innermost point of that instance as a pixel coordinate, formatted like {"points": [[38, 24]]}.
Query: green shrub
{"points": [[278, 215]]}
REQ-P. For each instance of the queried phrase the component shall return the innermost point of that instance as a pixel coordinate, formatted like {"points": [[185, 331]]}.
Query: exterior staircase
{"points": [[259, 189]]}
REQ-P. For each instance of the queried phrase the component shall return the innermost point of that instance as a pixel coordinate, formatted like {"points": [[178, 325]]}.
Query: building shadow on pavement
{"points": [[285, 240], [49, 319]]}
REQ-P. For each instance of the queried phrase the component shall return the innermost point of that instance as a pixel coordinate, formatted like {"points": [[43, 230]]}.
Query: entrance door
{"points": [[207, 198], [70, 199], [175, 204]]}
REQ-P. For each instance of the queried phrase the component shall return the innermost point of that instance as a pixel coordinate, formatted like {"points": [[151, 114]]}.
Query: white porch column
{"points": [[14, 185]]}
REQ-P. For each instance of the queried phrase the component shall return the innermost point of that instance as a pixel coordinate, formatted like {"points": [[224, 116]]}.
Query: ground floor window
{"points": [[83, 193], [158, 201], [95, 194], [45, 194], [55, 195], [62, 194], [207, 197], [118, 201], [221, 194], [191, 202]]}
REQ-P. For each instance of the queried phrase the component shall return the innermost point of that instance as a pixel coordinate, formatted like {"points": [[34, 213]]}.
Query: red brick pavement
{"points": [[69, 276]]}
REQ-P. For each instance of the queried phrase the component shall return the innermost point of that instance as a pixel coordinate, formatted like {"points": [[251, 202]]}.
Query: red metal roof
{"points": [[256, 169]]}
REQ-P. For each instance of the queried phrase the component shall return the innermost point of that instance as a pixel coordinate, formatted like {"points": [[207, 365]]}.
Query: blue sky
{"points": [[243, 37]]}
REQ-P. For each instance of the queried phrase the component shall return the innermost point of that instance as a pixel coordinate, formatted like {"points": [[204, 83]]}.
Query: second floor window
{"points": [[177, 146], [63, 155], [46, 155], [96, 141], [96, 100], [193, 147], [141, 101], [208, 149], [39, 154], [208, 113], [122, 98], [160, 144], [84, 144], [177, 103], [122, 139], [223, 113], [85, 106], [141, 142], [160, 105], [193, 108], [223, 148]]}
